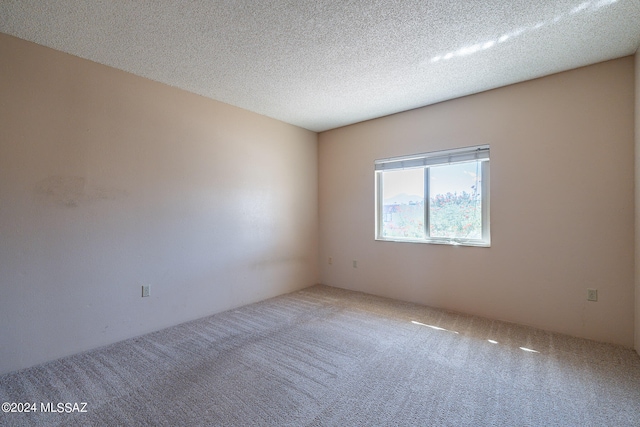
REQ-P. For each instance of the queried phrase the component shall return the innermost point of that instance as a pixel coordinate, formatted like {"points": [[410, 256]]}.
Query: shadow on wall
{"points": [[72, 191]]}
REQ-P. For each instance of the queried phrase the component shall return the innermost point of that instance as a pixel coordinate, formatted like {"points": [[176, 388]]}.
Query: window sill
{"points": [[449, 242]]}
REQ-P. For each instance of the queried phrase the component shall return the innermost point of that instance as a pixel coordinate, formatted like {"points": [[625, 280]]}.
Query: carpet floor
{"points": [[329, 357]]}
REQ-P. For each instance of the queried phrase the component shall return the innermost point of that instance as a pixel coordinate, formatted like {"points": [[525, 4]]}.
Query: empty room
{"points": [[327, 213]]}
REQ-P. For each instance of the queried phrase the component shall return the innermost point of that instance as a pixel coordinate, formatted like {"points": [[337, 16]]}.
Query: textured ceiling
{"points": [[322, 64]]}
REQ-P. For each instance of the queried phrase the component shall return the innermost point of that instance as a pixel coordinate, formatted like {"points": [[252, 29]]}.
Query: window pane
{"points": [[455, 210], [403, 204]]}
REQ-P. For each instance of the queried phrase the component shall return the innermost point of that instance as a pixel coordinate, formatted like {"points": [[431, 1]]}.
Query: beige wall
{"points": [[562, 205], [637, 181], [109, 181]]}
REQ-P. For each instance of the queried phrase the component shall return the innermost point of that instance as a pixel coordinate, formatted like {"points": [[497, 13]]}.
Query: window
{"points": [[439, 197]]}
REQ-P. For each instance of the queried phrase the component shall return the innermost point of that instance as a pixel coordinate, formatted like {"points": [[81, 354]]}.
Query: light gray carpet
{"points": [[328, 357]]}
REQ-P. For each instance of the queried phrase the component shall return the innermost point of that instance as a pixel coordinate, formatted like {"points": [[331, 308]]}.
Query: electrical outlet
{"points": [[145, 290], [355, 264], [592, 295], [330, 260]]}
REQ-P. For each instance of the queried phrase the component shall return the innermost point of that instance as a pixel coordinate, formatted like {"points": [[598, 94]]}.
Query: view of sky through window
{"points": [[454, 178], [408, 184], [403, 185]]}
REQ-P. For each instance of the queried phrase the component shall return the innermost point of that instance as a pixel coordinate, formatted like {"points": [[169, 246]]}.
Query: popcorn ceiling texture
{"points": [[323, 64]]}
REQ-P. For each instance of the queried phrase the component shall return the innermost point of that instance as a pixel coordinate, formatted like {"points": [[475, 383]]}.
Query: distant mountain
{"points": [[403, 199]]}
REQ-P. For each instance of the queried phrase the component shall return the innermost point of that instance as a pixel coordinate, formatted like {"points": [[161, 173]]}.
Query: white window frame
{"points": [[425, 161]]}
